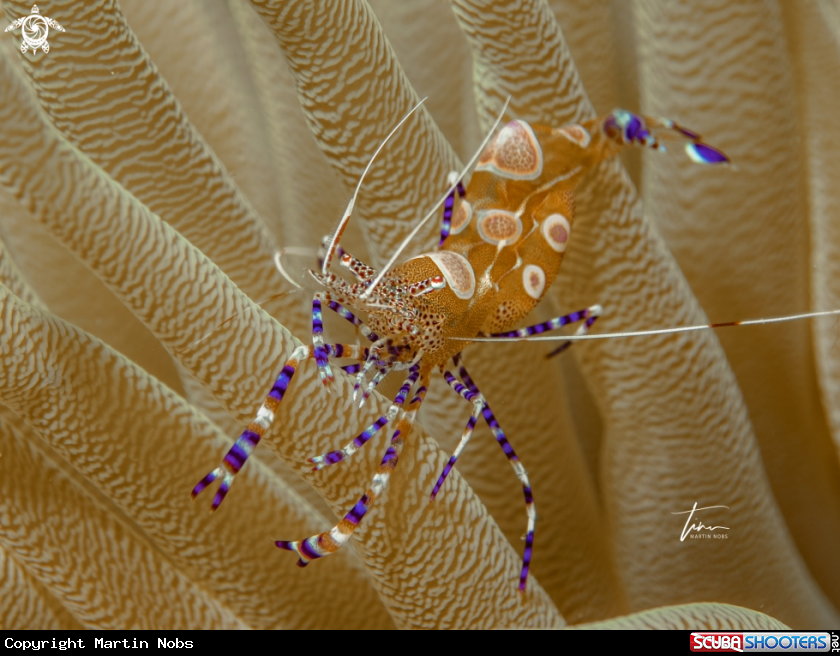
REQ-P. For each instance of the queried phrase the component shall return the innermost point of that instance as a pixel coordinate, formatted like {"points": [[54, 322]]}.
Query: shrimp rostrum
{"points": [[501, 245]]}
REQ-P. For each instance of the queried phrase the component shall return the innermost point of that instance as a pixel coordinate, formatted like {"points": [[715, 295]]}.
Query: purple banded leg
{"points": [[321, 354], [392, 349], [345, 351], [354, 351], [627, 128], [369, 364], [373, 384], [448, 204], [518, 468], [478, 405], [554, 324], [595, 312], [337, 456], [588, 316], [244, 446], [331, 541]]}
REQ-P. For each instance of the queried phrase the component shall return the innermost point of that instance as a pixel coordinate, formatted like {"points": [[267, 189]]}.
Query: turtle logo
{"points": [[34, 30]]}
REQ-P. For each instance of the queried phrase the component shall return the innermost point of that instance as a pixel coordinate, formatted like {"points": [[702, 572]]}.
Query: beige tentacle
{"points": [[140, 444], [676, 427], [12, 277], [761, 267], [106, 573], [814, 34], [25, 603], [197, 49], [126, 118], [439, 69], [149, 147], [411, 176], [350, 119], [195, 46], [68, 288], [693, 617], [313, 197], [72, 292], [236, 362]]}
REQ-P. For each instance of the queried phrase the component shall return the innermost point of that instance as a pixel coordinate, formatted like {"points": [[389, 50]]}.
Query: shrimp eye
{"points": [[429, 285]]}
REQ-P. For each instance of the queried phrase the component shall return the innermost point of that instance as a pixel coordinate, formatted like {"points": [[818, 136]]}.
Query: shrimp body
{"points": [[500, 249]]}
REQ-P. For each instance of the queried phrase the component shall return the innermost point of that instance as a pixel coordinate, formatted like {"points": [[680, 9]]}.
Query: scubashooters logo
{"points": [[782, 641], [34, 30]]}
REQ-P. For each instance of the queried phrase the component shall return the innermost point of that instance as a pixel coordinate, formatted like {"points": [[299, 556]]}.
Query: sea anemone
{"points": [[155, 159]]}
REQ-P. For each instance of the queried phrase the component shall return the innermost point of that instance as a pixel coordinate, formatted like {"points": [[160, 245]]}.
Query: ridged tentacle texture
{"points": [[761, 268], [814, 35], [123, 102], [154, 161], [697, 617], [136, 254], [105, 574], [668, 421], [570, 535], [157, 432], [123, 115]]}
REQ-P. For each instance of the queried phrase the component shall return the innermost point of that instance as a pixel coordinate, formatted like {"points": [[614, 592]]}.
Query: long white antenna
{"points": [[646, 333], [413, 233], [336, 237]]}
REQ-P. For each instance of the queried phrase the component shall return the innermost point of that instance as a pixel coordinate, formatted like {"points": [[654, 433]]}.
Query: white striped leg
{"points": [[372, 385], [588, 316], [337, 456], [392, 348], [478, 405], [331, 541], [321, 356], [244, 446], [521, 474]]}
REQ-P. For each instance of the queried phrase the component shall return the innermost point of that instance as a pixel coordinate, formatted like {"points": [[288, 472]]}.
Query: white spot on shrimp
{"points": [[576, 133], [458, 272], [515, 153], [533, 279], [556, 230], [495, 226], [461, 218]]}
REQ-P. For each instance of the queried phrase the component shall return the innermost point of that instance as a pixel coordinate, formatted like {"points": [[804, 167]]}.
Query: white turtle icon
{"points": [[34, 30]]}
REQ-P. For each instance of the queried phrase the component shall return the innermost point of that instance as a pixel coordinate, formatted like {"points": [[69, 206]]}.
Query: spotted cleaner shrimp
{"points": [[501, 245]]}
